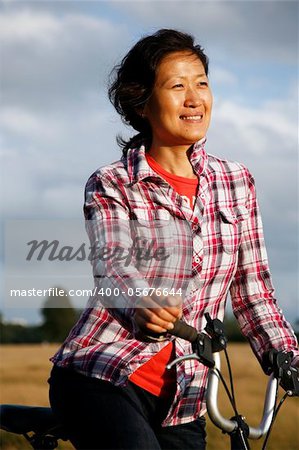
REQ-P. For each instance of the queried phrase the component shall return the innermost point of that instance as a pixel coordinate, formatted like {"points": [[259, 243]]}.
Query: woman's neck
{"points": [[173, 160]]}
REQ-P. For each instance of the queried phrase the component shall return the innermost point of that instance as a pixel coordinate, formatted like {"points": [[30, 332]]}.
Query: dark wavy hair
{"points": [[132, 81]]}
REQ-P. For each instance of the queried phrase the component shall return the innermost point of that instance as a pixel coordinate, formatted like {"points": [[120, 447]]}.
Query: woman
{"points": [[109, 383]]}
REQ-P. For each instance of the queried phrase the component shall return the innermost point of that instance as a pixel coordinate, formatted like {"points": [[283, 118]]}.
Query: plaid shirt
{"points": [[228, 255]]}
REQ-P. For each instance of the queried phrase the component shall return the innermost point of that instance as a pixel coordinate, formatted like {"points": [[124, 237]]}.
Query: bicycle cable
{"points": [[231, 395], [227, 391], [233, 405], [230, 378], [274, 416]]}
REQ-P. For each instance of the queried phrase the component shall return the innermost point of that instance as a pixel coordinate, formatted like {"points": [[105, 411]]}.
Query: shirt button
{"points": [[194, 227], [197, 259], [202, 196]]}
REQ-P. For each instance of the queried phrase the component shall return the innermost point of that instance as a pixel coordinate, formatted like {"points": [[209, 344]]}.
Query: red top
{"points": [[185, 187], [153, 375]]}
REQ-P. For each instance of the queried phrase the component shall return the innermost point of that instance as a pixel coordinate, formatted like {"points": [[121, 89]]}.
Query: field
{"points": [[25, 369]]}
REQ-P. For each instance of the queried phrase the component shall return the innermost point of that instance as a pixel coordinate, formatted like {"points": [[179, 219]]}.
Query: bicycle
{"points": [[41, 429]]}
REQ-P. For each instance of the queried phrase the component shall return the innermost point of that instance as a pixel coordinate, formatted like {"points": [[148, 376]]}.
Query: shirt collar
{"points": [[139, 169]]}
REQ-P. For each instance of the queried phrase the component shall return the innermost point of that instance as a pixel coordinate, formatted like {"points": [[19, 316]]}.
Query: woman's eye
{"points": [[203, 83], [177, 85]]}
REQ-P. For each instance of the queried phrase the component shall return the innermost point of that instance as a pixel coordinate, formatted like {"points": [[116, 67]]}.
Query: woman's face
{"points": [[179, 109]]}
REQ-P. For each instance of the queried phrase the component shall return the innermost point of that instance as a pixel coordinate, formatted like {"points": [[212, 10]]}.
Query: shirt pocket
{"points": [[168, 241], [231, 226], [152, 228], [151, 218]]}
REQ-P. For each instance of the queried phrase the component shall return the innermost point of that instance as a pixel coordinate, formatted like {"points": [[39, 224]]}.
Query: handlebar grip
{"points": [[183, 330]]}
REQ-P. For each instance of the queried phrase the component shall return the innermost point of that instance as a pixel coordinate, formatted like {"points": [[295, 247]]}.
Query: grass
{"points": [[25, 370]]}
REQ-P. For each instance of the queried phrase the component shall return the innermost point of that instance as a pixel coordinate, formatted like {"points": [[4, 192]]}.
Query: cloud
{"points": [[27, 123], [25, 27], [252, 31], [273, 117], [62, 58], [221, 76], [43, 155], [265, 139]]}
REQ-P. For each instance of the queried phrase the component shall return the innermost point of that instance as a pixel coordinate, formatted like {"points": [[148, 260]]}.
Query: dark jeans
{"points": [[99, 415]]}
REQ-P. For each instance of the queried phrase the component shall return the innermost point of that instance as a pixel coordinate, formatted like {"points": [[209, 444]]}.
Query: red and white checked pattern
{"points": [[226, 229]]}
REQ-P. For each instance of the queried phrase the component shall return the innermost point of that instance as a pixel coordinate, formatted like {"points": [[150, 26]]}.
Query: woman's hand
{"points": [[158, 314]]}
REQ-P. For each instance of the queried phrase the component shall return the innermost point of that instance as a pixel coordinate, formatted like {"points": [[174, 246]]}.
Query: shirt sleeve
{"points": [[252, 292], [107, 222]]}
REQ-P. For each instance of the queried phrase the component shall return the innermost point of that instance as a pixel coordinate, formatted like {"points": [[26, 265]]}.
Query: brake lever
{"points": [[290, 381], [215, 329], [181, 359], [279, 362], [202, 352], [202, 347], [204, 344]]}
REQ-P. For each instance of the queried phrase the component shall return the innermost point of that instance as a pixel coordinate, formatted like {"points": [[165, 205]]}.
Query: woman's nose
{"points": [[193, 98]]}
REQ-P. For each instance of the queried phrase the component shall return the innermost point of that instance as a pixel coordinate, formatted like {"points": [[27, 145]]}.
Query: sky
{"points": [[58, 127]]}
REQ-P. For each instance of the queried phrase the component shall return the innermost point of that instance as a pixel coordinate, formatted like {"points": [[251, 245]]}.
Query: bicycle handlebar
{"points": [[286, 378], [229, 425]]}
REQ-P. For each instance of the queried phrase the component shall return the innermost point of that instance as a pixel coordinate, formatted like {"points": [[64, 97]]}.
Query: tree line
{"points": [[58, 317]]}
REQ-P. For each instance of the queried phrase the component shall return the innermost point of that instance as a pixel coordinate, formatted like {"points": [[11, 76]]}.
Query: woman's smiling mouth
{"points": [[195, 118]]}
